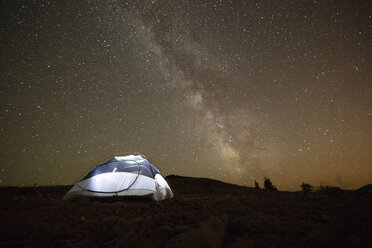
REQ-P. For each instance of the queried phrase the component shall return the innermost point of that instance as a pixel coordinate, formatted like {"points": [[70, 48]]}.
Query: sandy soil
{"points": [[204, 213]]}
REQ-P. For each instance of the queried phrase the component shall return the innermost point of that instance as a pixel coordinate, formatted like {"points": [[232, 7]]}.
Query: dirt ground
{"points": [[204, 213]]}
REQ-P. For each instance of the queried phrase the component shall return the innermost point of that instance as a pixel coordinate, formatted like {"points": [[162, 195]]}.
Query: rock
{"points": [[224, 198], [181, 229], [239, 243], [356, 241], [317, 235], [143, 243], [210, 233]]}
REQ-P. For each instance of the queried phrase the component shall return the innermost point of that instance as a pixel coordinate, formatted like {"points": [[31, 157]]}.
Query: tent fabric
{"points": [[123, 176]]}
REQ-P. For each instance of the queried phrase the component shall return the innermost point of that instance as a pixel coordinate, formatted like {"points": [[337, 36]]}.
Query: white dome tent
{"points": [[131, 175]]}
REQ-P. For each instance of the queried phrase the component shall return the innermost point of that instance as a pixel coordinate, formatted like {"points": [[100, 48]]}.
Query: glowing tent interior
{"points": [[131, 175]]}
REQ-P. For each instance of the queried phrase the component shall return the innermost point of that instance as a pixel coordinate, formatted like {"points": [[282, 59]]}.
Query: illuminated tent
{"points": [[131, 175]]}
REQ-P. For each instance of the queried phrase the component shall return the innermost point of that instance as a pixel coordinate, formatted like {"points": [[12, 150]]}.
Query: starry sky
{"points": [[230, 90]]}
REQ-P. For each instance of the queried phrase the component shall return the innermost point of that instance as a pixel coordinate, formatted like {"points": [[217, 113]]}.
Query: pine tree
{"points": [[268, 185]]}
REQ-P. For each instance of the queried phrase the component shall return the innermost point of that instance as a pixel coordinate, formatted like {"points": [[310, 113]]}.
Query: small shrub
{"points": [[306, 188]]}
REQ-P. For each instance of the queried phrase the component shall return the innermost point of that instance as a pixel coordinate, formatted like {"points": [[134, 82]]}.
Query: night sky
{"points": [[230, 90]]}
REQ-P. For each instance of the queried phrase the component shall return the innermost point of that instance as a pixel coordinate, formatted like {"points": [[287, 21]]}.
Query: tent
{"points": [[131, 175]]}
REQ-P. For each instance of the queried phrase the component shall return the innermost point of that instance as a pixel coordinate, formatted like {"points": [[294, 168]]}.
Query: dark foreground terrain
{"points": [[205, 213]]}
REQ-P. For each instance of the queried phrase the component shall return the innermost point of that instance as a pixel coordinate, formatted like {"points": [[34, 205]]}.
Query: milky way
{"points": [[231, 90]]}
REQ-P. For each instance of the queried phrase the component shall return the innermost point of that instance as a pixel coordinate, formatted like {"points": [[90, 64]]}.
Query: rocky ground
{"points": [[204, 213]]}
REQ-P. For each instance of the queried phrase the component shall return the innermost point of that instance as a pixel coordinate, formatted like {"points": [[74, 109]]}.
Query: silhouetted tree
{"points": [[268, 184], [256, 185], [307, 187]]}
